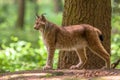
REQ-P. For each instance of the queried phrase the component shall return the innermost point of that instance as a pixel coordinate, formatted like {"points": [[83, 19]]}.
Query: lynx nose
{"points": [[36, 28]]}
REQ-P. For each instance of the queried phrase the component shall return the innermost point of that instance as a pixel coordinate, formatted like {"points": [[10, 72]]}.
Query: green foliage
{"points": [[115, 49], [116, 22], [20, 55], [115, 40]]}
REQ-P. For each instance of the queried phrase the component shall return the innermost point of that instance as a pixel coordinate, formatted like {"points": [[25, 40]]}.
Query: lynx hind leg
{"points": [[82, 59], [102, 53], [96, 47]]}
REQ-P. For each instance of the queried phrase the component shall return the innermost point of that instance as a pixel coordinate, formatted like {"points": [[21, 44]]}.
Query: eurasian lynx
{"points": [[74, 37]]}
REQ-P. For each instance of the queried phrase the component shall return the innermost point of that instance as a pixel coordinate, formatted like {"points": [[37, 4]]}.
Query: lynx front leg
{"points": [[82, 59], [50, 56]]}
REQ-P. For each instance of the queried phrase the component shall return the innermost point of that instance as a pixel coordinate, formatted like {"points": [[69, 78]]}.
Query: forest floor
{"points": [[113, 74]]}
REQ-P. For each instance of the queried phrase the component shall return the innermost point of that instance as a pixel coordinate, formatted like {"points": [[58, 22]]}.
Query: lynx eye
{"points": [[37, 23]]}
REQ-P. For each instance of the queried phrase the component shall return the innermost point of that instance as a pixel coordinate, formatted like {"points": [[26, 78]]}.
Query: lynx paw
{"points": [[104, 67], [74, 67], [47, 67]]}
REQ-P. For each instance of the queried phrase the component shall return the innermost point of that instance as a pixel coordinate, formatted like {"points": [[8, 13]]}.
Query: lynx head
{"points": [[40, 22]]}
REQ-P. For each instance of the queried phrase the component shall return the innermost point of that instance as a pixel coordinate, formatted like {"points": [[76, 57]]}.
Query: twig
{"points": [[114, 65]]}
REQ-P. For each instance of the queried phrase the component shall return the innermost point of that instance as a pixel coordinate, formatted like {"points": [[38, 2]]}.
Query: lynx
{"points": [[73, 37]]}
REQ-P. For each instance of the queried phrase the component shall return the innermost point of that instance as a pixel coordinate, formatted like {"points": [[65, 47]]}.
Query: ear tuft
{"points": [[37, 16], [43, 17]]}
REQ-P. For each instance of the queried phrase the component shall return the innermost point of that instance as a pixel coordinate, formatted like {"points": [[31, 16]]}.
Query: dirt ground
{"points": [[113, 74]]}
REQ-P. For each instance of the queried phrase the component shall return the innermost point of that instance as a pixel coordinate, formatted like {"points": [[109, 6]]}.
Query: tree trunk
{"points": [[20, 21], [93, 12]]}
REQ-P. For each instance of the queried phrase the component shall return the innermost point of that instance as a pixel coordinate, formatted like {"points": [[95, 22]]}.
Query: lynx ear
{"points": [[37, 16], [43, 17]]}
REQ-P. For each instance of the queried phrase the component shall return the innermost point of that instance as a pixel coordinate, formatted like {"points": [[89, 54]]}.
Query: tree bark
{"points": [[93, 12], [20, 21]]}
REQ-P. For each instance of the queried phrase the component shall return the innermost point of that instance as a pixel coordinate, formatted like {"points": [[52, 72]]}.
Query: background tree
{"points": [[36, 6], [58, 5], [116, 8], [93, 12], [21, 12]]}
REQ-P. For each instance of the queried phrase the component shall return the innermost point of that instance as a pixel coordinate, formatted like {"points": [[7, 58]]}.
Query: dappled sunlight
{"points": [[62, 75], [23, 75]]}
